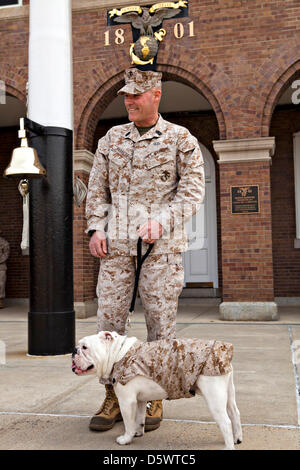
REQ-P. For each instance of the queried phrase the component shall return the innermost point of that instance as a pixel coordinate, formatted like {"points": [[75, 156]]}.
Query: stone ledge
{"points": [[22, 11], [83, 160], [287, 301], [245, 150], [14, 12], [251, 311], [296, 243], [85, 309], [203, 292]]}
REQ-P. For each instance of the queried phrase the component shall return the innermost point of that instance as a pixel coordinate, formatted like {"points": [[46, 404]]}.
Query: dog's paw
{"points": [[238, 438], [139, 433], [124, 439]]}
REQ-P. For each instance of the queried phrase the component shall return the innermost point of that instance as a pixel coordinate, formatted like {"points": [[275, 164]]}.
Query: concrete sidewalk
{"points": [[43, 405]]}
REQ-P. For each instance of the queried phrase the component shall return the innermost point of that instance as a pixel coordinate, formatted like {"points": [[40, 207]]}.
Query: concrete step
{"points": [[200, 292], [200, 301]]}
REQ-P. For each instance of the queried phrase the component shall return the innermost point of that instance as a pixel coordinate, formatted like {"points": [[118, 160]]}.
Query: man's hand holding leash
{"points": [[149, 232]]}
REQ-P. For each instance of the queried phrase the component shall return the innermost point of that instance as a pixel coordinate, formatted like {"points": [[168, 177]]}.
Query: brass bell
{"points": [[24, 161]]}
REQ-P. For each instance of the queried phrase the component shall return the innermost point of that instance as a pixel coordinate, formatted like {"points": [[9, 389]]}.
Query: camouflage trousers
{"points": [[161, 281]]}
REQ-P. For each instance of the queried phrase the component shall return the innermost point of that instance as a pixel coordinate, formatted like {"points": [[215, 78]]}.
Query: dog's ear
{"points": [[108, 336], [105, 336]]}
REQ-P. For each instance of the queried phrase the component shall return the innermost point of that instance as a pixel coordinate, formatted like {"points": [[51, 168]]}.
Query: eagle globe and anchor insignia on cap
{"points": [[144, 50]]}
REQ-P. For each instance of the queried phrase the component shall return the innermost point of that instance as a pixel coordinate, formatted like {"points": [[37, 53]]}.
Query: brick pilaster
{"points": [[247, 260]]}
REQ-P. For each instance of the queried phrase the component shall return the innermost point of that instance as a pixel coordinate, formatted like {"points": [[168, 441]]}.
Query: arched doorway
{"points": [[201, 260], [284, 125]]}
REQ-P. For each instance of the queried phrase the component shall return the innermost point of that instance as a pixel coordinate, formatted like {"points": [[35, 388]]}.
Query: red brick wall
{"points": [[284, 123], [11, 219], [246, 238]]}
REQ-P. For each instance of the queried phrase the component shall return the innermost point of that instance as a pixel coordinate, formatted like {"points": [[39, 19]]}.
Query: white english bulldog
{"points": [[115, 359]]}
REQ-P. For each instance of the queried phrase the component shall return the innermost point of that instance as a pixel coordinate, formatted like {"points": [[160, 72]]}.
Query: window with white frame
{"points": [[297, 185], [10, 3]]}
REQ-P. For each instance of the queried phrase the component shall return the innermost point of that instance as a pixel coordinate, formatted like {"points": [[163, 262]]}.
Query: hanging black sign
{"points": [[5, 3]]}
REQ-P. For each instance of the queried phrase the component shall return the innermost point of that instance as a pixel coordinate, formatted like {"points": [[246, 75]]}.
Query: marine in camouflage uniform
{"points": [[136, 177], [4, 254]]}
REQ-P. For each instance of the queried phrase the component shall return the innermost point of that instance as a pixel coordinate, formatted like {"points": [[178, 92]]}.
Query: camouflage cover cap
{"points": [[137, 81]]}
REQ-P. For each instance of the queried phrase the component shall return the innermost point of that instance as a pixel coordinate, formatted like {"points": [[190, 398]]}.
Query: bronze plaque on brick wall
{"points": [[244, 199]]}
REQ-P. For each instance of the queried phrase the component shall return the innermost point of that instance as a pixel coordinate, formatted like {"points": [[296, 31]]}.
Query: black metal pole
{"points": [[51, 318]]}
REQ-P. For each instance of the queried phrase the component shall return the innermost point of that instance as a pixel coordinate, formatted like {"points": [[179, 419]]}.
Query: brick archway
{"points": [[278, 88], [107, 92], [275, 75], [93, 110], [12, 91], [15, 81], [171, 72]]}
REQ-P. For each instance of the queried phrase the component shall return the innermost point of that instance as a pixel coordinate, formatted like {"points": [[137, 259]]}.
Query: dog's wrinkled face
{"points": [[82, 361], [88, 352]]}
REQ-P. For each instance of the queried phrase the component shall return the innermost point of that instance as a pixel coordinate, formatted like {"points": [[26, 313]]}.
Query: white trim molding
{"points": [[296, 145], [245, 150], [79, 5], [22, 11], [83, 160]]}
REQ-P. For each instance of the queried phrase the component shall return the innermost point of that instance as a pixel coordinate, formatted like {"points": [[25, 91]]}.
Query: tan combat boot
{"points": [[105, 418], [154, 415]]}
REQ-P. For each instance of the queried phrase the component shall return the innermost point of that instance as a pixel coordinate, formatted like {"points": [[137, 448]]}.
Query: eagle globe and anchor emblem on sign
{"points": [[145, 22]]}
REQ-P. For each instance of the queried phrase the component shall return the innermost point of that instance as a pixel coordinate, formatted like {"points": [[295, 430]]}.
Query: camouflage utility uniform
{"points": [[175, 364], [160, 176]]}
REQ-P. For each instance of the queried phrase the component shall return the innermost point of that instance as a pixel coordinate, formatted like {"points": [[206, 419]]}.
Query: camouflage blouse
{"points": [[175, 364], [158, 175]]}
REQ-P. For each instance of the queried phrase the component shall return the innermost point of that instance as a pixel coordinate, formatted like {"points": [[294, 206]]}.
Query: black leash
{"points": [[140, 261]]}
